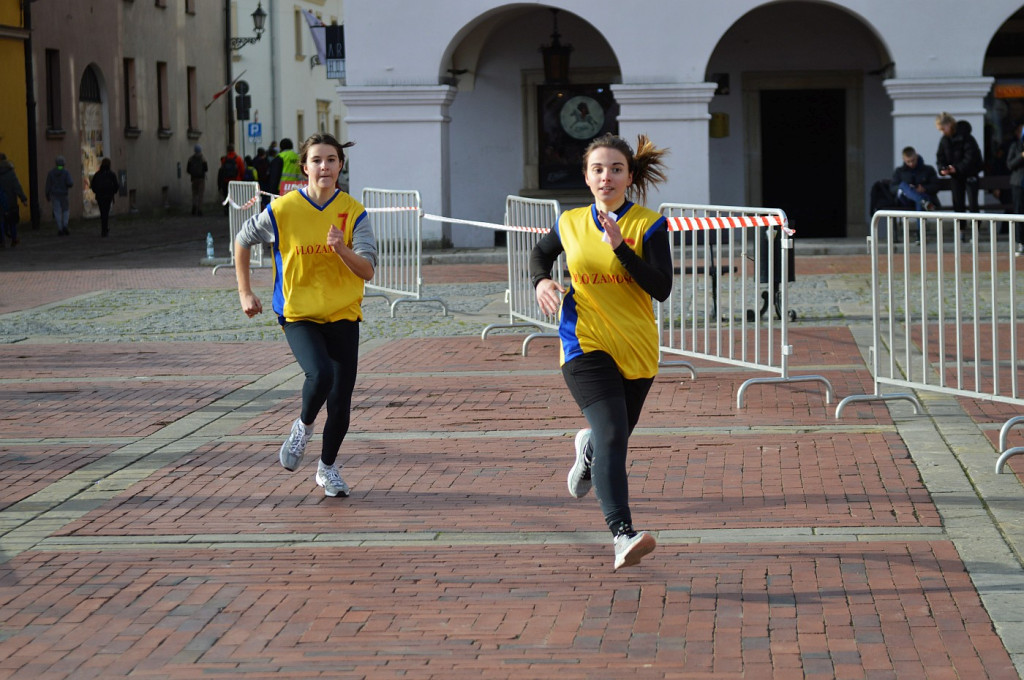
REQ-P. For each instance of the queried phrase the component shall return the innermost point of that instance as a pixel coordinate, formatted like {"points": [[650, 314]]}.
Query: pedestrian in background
{"points": [[284, 168], [232, 169], [11, 188], [618, 256], [959, 158], [105, 186], [197, 168], [1015, 163], [916, 182], [58, 185]]}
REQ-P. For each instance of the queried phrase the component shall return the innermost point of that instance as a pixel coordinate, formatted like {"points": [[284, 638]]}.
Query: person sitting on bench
{"points": [[916, 183]]}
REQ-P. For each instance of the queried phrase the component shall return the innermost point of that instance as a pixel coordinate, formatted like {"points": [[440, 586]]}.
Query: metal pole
{"points": [[30, 106]]}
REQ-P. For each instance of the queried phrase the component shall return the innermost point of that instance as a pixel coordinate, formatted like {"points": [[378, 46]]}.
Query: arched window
{"points": [[89, 88]]}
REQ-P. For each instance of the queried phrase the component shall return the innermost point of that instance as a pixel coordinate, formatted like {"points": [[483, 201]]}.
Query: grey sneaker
{"points": [[630, 549], [329, 478], [579, 474], [295, 446]]}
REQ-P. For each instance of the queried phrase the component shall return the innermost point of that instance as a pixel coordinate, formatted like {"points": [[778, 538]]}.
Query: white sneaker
{"points": [[294, 448], [579, 474], [329, 478], [629, 550], [1019, 250]]}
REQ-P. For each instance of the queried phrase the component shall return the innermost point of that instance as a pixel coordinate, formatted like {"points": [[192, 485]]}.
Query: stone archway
{"points": [[830, 65], [507, 119], [1004, 105], [91, 134]]}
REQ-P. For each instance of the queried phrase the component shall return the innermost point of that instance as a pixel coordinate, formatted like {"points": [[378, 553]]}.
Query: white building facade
{"points": [[793, 104], [290, 94]]}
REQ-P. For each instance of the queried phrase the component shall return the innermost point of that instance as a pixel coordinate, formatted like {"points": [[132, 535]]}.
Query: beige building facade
{"points": [[129, 80]]}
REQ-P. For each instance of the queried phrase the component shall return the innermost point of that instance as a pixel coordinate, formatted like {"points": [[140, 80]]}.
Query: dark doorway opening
{"points": [[803, 159]]}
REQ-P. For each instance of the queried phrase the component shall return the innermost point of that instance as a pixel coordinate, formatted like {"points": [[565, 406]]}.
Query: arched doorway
{"points": [[514, 128], [1004, 106], [90, 133], [801, 85]]}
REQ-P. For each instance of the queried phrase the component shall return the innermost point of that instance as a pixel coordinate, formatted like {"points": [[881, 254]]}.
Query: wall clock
{"points": [[569, 117]]}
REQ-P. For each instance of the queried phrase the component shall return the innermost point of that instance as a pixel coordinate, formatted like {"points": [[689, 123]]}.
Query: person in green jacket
{"points": [[285, 167]]}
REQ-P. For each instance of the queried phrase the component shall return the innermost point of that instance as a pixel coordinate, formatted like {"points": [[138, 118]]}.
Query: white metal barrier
{"points": [[717, 310], [397, 221], [527, 220], [945, 323], [243, 202]]}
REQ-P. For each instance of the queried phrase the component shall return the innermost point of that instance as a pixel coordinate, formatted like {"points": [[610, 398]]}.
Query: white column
{"points": [[673, 116], [401, 136], [916, 102]]}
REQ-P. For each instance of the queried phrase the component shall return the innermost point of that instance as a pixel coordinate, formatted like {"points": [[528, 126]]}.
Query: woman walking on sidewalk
{"points": [[618, 256], [323, 243]]}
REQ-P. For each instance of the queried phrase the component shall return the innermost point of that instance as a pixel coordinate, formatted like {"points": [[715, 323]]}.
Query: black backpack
{"points": [[228, 171]]}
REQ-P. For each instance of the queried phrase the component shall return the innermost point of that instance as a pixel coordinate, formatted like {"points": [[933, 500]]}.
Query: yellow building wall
{"points": [[13, 113]]}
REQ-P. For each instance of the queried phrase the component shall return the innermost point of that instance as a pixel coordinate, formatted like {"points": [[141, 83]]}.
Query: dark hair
{"points": [[105, 164], [322, 138], [286, 143], [645, 165], [909, 151]]}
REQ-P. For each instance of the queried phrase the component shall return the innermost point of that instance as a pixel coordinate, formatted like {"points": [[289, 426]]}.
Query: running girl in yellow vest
{"points": [[324, 250], [618, 256]]}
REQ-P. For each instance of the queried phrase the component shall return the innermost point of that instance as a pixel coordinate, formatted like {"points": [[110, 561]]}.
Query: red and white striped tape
{"points": [[727, 222], [454, 220], [248, 204], [674, 223]]}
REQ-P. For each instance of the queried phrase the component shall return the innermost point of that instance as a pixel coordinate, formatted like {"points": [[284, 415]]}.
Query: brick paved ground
{"points": [[146, 529]]}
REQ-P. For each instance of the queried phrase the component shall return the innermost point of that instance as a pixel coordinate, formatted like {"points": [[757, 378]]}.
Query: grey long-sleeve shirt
{"points": [[260, 229]]}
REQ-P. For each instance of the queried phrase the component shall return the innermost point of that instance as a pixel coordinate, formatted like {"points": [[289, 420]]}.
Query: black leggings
{"points": [[965, 193], [612, 405], [328, 353]]}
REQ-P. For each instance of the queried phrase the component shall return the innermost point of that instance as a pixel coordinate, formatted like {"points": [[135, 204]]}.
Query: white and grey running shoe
{"points": [[329, 478], [629, 550], [295, 446], [579, 474]]}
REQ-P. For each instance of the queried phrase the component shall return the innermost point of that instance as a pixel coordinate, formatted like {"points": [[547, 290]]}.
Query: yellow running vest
{"points": [[311, 282], [604, 309]]}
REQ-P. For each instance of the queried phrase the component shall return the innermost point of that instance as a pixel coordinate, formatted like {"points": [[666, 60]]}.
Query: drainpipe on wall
{"points": [[275, 130], [227, 72], [30, 105]]}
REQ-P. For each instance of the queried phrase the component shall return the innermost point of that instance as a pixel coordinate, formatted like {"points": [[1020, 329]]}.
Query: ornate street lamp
{"points": [[556, 56], [259, 19]]}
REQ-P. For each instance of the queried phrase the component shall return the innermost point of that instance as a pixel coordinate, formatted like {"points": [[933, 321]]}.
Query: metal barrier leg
{"points": [[1004, 431], [680, 364], [791, 379], [439, 301], [918, 409], [531, 336], [1005, 455], [495, 326]]}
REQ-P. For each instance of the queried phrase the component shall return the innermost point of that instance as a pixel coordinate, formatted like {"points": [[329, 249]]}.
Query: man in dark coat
{"points": [[10, 187], [916, 184]]}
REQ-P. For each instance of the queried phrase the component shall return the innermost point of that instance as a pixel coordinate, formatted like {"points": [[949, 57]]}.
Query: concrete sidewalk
{"points": [[146, 529]]}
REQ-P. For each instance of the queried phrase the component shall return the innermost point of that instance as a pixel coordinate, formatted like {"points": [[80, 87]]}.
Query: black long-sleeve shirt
{"points": [[652, 272]]}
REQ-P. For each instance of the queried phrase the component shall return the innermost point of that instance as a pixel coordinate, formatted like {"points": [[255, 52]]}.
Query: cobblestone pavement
{"points": [[146, 529]]}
